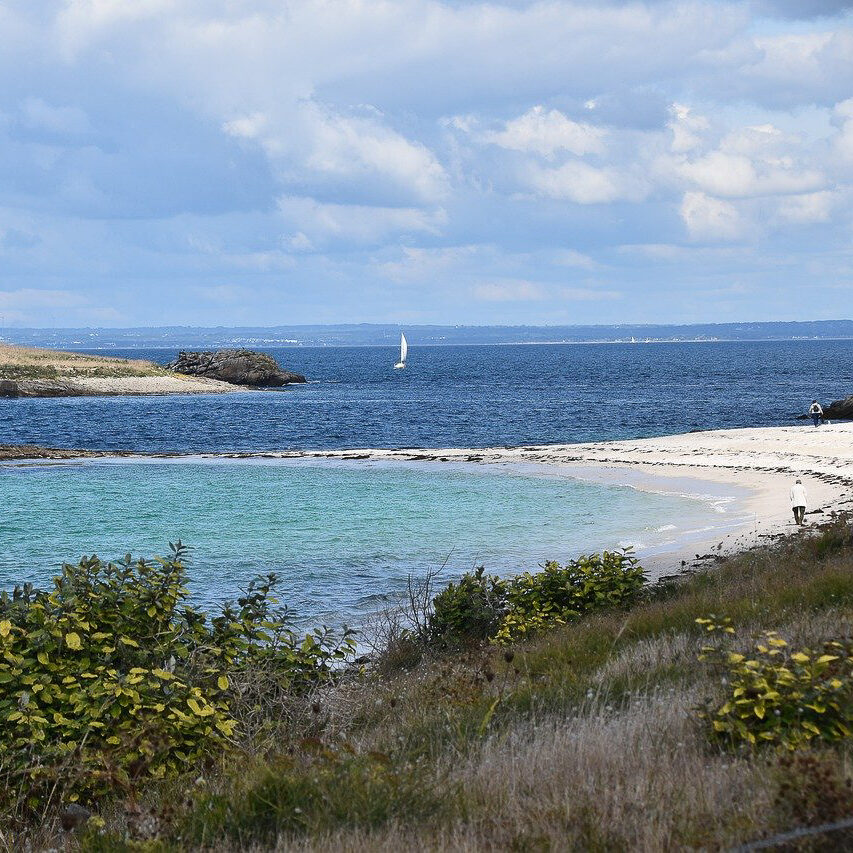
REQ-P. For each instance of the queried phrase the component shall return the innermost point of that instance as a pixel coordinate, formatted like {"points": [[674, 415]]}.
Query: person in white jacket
{"points": [[816, 412], [798, 500]]}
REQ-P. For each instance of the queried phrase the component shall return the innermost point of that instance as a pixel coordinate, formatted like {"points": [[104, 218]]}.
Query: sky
{"points": [[266, 162]]}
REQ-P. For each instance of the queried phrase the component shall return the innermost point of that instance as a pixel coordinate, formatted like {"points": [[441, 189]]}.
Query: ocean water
{"points": [[344, 536], [460, 396]]}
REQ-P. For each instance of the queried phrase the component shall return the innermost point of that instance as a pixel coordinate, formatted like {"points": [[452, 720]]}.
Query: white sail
{"points": [[404, 350]]}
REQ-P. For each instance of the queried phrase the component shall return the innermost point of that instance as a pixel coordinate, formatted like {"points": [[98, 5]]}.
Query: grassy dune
{"points": [[588, 737], [19, 363], [585, 739]]}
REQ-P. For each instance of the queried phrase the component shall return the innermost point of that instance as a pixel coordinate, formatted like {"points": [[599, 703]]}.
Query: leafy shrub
{"points": [[559, 594], [781, 697], [111, 678], [469, 611], [482, 607]]}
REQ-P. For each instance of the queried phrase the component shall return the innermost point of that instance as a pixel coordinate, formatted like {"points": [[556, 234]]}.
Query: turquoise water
{"points": [[343, 535]]}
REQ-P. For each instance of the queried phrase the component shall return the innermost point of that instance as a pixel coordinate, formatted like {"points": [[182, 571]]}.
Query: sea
{"points": [[345, 536]]}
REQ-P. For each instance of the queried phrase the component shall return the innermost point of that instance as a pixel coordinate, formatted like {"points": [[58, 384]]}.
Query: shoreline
{"points": [[118, 386], [759, 463]]}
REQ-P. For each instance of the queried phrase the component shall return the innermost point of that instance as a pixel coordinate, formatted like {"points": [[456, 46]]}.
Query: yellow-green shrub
{"points": [[112, 678], [783, 697], [558, 594]]}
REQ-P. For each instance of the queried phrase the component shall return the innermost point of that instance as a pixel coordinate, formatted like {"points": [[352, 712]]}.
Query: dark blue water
{"points": [[455, 396]]}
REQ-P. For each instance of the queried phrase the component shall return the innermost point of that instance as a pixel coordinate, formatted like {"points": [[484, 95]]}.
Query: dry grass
{"points": [[583, 739], [31, 363]]}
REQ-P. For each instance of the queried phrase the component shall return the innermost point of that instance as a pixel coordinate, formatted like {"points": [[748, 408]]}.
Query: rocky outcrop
{"points": [[40, 388], [238, 366], [840, 410]]}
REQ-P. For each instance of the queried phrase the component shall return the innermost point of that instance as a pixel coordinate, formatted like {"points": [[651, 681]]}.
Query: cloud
{"points": [[807, 208], [737, 176], [712, 219], [582, 183], [345, 155], [546, 133], [476, 160]]}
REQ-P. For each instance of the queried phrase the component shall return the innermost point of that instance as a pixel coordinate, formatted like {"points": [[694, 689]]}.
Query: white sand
{"points": [[142, 385], [759, 465]]}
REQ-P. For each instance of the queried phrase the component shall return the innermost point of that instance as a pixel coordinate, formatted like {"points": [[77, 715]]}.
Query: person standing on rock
{"points": [[798, 500], [816, 412]]}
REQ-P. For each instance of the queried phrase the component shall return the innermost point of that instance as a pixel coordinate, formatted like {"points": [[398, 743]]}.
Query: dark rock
{"points": [[49, 388], [8, 388], [237, 366], [73, 816], [840, 410]]}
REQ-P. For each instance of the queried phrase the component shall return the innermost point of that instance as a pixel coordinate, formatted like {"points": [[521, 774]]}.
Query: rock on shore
{"points": [[238, 366], [40, 388], [840, 410]]}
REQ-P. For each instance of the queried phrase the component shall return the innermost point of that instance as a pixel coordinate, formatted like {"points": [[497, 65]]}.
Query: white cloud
{"points": [[807, 208], [579, 182], [506, 132], [313, 142], [687, 128], [546, 133], [737, 176], [712, 219]]}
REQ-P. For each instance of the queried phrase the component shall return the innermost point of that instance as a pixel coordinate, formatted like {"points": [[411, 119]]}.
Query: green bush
{"points": [[780, 697], [481, 607], [111, 678], [469, 611], [559, 594]]}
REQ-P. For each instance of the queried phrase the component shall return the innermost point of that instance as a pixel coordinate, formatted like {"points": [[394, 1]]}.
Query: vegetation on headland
{"points": [[596, 732], [21, 363]]}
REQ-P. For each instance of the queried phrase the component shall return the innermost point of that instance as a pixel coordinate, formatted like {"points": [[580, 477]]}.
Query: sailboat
{"points": [[404, 348]]}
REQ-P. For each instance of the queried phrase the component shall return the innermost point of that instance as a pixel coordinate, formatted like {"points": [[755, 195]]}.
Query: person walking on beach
{"points": [[798, 500], [816, 412]]}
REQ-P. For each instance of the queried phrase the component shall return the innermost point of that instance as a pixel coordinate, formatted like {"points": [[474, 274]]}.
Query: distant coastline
{"points": [[367, 334]]}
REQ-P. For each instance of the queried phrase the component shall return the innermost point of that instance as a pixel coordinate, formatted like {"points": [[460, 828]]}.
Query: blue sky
{"points": [[245, 162]]}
